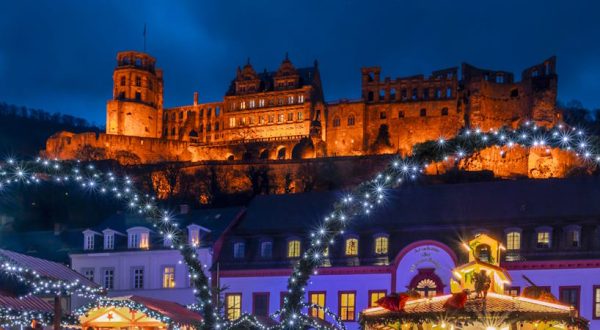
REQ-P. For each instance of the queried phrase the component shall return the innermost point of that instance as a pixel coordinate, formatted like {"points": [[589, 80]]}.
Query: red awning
{"points": [[176, 312]]}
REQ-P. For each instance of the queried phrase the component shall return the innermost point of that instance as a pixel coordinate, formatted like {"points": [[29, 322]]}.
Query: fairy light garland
{"points": [[362, 200]]}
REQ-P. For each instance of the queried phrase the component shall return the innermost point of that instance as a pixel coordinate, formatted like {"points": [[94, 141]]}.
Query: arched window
{"points": [[351, 247], [513, 241], [427, 283], [336, 121], [381, 245], [351, 120], [427, 288], [293, 248]]}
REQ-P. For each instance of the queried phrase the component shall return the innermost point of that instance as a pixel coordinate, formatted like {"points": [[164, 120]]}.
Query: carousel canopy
{"points": [[506, 309], [30, 303]]}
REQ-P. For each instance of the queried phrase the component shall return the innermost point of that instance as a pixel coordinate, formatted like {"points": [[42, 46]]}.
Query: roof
{"points": [[306, 76], [48, 244], [45, 268], [514, 308], [414, 212], [29, 303]]}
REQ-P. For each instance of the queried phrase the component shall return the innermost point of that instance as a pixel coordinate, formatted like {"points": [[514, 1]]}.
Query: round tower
{"points": [[136, 108]]}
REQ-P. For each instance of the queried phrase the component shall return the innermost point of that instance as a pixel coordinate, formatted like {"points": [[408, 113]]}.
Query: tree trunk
{"points": [[57, 312]]}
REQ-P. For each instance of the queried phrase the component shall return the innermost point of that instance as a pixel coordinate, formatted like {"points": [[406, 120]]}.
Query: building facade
{"points": [[549, 229], [283, 114], [127, 257]]}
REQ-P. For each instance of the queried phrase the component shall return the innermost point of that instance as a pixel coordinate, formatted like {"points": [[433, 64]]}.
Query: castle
{"points": [[283, 114]]}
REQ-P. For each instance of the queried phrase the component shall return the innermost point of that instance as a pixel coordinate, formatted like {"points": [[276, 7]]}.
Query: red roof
{"points": [[46, 268], [176, 312], [30, 303]]}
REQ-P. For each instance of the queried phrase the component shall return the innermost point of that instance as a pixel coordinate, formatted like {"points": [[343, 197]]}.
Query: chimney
{"points": [[195, 98], [184, 209]]}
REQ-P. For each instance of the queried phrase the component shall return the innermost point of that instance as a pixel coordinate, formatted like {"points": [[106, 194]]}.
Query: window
{"points": [[347, 305], [438, 93], [243, 105], [239, 250], [261, 120], [403, 94], [351, 120], [381, 245], [251, 104], [400, 114], [596, 306], [217, 125], [194, 235], [573, 236], [293, 249], [513, 240], [415, 94], [138, 96], [271, 119], [260, 304], [317, 298], [123, 81], [280, 118], [291, 99], [233, 305], [448, 92], [138, 240], [300, 98], [543, 239], [514, 291], [392, 94], [168, 277], [444, 111], [336, 121], [427, 288], [138, 81], [570, 295], [299, 115], [426, 93], [88, 273], [138, 277], [266, 249], [374, 296], [109, 278], [89, 242], [232, 122], [382, 115], [150, 85], [261, 103], [370, 96], [208, 112], [280, 101], [423, 112], [109, 241], [291, 116], [352, 247]]}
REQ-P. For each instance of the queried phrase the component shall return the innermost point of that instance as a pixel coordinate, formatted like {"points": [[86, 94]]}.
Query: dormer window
{"points": [[109, 240], [194, 235], [573, 239], [543, 237], [138, 238], [266, 249], [293, 248], [88, 241], [239, 250], [381, 244], [513, 239], [351, 247]]}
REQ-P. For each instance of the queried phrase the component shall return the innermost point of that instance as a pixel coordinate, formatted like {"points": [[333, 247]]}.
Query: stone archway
{"points": [[303, 149], [281, 153], [264, 154]]}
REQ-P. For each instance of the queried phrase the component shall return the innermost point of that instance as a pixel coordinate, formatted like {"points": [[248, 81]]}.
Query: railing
{"points": [[244, 141]]}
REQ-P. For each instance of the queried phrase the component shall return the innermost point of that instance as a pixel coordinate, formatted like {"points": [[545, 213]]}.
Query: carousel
{"points": [[136, 313], [477, 301]]}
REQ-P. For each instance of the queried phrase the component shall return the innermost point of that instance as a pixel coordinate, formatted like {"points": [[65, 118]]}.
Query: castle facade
{"points": [[283, 114]]}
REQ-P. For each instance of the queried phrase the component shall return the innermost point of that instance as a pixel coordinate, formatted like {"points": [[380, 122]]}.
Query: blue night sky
{"points": [[59, 55]]}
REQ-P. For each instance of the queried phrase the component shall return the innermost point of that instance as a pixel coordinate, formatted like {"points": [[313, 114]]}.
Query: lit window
{"points": [[352, 247], [374, 296], [347, 306], [251, 104], [336, 121], [543, 239], [243, 105], [381, 245], [194, 236], [290, 99], [232, 122], [109, 278], [317, 298], [280, 118], [513, 291], [427, 288], [239, 250], [233, 306], [261, 120], [300, 98], [261, 103], [266, 249], [513, 241], [351, 120], [299, 115], [168, 277], [293, 249], [138, 277]]}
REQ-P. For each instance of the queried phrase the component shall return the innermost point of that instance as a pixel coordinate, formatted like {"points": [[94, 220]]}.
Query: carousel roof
{"points": [[30, 303], [513, 308]]}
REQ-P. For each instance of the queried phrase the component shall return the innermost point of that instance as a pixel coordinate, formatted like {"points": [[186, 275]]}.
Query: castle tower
{"points": [[137, 105]]}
